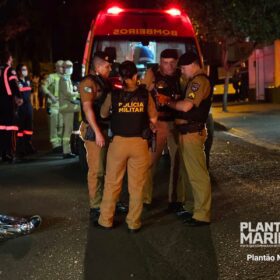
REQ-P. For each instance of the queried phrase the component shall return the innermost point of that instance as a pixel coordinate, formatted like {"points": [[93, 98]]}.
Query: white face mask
{"points": [[69, 71], [24, 73]]}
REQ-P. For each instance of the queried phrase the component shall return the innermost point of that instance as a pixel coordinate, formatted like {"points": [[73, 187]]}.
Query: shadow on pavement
{"points": [[164, 248]]}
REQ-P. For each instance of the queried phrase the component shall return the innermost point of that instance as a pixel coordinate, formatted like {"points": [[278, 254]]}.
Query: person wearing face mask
{"points": [[10, 99], [68, 105], [50, 87], [25, 113]]}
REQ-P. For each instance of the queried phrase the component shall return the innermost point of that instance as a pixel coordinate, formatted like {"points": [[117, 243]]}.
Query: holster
{"points": [[86, 132], [191, 127]]}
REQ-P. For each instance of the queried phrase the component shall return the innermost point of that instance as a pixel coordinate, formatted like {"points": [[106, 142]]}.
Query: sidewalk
{"points": [[257, 123]]}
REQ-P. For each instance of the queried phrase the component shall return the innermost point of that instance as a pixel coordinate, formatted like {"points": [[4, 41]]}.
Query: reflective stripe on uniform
{"points": [[13, 78], [6, 82], [28, 132], [22, 89], [8, 127]]}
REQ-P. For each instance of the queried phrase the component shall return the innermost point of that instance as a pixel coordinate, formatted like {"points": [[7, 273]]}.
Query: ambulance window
{"points": [[143, 53]]}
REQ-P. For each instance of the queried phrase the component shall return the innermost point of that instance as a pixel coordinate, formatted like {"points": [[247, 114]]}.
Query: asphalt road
{"points": [[246, 184]]}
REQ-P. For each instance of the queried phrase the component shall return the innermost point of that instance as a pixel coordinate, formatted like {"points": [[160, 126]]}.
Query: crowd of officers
{"points": [[118, 123], [16, 110], [171, 102]]}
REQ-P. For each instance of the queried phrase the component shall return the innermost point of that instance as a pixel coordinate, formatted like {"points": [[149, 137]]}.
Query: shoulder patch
{"points": [[191, 95], [87, 89], [195, 87]]}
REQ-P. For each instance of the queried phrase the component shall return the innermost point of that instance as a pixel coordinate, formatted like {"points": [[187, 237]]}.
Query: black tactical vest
{"points": [[129, 116], [198, 114], [169, 86], [105, 88]]}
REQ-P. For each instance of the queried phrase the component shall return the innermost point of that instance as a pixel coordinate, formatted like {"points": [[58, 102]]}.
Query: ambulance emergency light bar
{"points": [[115, 10]]}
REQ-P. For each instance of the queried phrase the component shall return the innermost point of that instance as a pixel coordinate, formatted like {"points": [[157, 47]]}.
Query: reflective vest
{"points": [[129, 116]]}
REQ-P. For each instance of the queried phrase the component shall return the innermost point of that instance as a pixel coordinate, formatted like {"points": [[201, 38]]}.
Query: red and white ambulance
{"points": [[139, 35], [124, 33]]}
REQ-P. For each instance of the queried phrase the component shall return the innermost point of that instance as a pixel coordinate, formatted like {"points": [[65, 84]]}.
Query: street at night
{"points": [[139, 140], [245, 181]]}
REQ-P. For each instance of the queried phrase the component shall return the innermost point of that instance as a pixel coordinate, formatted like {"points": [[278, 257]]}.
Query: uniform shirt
{"points": [[66, 92], [8, 91], [197, 89], [26, 90], [50, 86], [105, 108], [89, 90]]}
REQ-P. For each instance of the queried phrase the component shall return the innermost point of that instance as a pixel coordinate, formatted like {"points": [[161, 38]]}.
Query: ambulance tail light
{"points": [[174, 12], [114, 10]]}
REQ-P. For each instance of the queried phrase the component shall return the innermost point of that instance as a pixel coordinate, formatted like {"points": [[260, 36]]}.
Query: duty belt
{"points": [[191, 127]]}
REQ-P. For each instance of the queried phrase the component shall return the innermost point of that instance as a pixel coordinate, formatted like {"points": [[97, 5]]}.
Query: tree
{"points": [[233, 22]]}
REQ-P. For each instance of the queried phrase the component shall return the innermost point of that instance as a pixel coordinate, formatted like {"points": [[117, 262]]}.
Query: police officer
{"points": [[10, 98], [165, 79], [25, 113], [50, 87], [68, 105], [94, 130], [132, 111], [190, 121]]}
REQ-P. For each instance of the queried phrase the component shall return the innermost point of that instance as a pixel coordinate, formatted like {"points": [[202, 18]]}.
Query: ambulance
{"points": [[125, 33], [139, 35]]}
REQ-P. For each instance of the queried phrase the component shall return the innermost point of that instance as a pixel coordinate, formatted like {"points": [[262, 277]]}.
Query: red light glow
{"points": [[174, 12], [114, 10]]}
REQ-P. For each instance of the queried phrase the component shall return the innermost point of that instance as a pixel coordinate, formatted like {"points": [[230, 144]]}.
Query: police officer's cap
{"points": [[169, 53], [102, 55], [127, 69], [188, 58], [67, 63], [59, 63]]}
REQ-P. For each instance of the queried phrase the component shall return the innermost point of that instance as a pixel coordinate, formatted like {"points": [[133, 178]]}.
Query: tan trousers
{"points": [[131, 154], [192, 151], [56, 127], [96, 160], [165, 134]]}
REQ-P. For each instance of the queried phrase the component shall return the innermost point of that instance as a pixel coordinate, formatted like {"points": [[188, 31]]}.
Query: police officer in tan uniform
{"points": [[190, 121], [93, 90], [165, 78], [133, 110]]}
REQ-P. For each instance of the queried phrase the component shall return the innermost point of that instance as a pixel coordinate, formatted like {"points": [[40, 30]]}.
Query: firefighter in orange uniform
{"points": [[133, 110], [10, 98]]}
